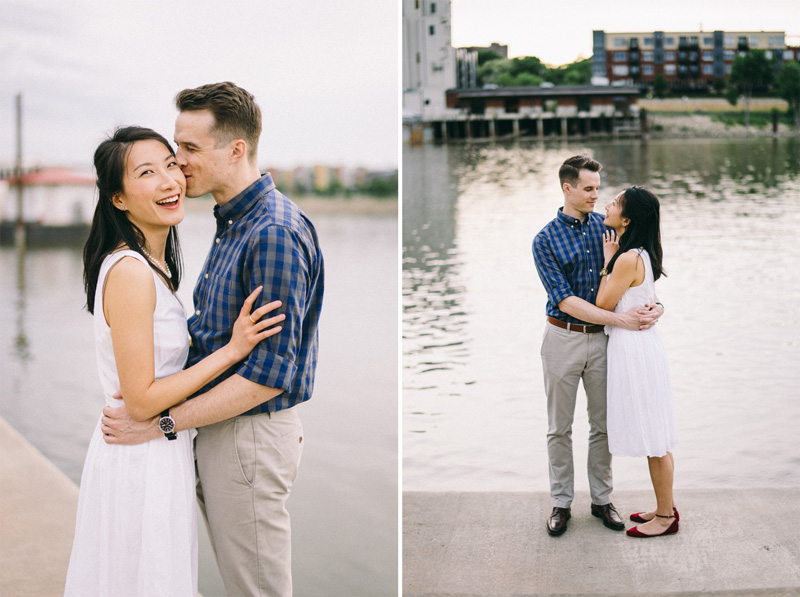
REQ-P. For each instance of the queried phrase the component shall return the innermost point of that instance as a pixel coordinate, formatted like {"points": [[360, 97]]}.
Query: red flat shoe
{"points": [[636, 517], [671, 530]]}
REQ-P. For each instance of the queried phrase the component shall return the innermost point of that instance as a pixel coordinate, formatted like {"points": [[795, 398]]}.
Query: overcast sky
{"points": [[561, 32], [325, 73]]}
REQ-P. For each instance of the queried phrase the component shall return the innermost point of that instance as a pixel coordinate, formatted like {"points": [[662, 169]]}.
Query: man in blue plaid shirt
{"points": [[249, 436], [568, 253]]}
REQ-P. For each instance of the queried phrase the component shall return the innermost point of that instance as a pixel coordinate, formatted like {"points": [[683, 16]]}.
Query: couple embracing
{"points": [[599, 275], [199, 412]]}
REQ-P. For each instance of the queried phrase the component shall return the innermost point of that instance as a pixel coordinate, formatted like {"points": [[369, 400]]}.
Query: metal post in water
{"points": [[19, 228]]}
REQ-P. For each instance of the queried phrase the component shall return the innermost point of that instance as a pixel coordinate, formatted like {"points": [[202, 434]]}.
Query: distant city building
{"points": [[429, 59], [495, 47], [686, 59], [466, 68], [326, 180], [51, 197]]}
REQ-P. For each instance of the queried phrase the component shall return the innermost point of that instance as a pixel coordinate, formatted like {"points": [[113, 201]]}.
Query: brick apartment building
{"points": [[686, 59]]}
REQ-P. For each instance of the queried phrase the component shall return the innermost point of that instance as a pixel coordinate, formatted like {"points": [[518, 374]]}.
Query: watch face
{"points": [[166, 424]]}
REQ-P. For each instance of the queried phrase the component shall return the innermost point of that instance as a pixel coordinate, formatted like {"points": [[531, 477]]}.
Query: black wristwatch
{"points": [[167, 425]]}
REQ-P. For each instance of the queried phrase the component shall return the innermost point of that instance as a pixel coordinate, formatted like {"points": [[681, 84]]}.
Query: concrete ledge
{"points": [[37, 519], [732, 543]]}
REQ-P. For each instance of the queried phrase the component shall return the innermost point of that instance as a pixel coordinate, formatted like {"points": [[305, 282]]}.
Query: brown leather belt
{"points": [[576, 327]]}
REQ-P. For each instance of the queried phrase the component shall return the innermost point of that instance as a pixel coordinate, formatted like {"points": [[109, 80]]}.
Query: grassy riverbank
{"points": [[715, 117]]}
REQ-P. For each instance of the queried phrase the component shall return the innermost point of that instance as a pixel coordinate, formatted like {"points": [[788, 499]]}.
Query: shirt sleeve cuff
{"points": [[270, 370], [559, 293]]}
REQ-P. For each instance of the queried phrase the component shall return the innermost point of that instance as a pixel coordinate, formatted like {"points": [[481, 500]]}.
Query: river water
{"points": [[344, 503], [473, 309]]}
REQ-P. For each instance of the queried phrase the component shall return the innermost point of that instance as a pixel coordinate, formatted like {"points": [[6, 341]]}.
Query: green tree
{"points": [[660, 86], [528, 64], [485, 56], [578, 72], [574, 73], [490, 72], [749, 73], [788, 87], [521, 80]]}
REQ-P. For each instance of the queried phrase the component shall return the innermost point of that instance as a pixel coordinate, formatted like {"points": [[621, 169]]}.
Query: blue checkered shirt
{"points": [[569, 256], [264, 239]]}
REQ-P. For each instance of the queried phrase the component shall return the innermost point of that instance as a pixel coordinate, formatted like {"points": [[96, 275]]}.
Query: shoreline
{"points": [[680, 125], [358, 205]]}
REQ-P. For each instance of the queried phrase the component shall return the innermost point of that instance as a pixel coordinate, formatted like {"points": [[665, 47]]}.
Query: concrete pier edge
{"points": [[37, 519], [38, 504], [732, 542]]}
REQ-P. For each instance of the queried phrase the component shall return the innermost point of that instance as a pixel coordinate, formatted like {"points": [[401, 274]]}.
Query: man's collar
{"points": [[244, 201], [570, 221]]}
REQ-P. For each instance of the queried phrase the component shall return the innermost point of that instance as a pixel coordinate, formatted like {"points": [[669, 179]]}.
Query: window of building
{"points": [[648, 56], [730, 54], [682, 55], [693, 56], [669, 69], [620, 70], [754, 41], [669, 56], [432, 30], [708, 55], [647, 69], [620, 56], [776, 41], [728, 42], [648, 41], [620, 42], [693, 39], [768, 54], [433, 8], [683, 69], [728, 68], [669, 41], [708, 69], [787, 57], [682, 40], [742, 41], [708, 41], [599, 70]]}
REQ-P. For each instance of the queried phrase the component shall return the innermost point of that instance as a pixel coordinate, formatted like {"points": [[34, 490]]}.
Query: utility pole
{"points": [[19, 229]]}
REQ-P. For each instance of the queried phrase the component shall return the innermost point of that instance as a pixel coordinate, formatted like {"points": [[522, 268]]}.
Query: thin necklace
{"points": [[164, 268]]}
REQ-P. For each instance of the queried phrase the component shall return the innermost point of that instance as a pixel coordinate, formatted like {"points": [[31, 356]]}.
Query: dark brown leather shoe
{"points": [[557, 523], [609, 515]]}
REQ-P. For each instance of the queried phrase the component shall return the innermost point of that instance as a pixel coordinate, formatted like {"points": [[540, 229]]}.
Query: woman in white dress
{"points": [[136, 529], [641, 415]]}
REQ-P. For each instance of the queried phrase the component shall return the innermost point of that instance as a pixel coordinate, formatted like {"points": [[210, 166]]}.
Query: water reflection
{"points": [[21, 346], [434, 311], [473, 305]]}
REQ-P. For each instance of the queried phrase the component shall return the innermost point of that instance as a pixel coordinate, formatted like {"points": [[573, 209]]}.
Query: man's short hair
{"points": [[236, 114], [570, 170]]}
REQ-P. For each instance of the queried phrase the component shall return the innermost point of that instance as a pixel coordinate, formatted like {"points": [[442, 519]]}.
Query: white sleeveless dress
{"points": [[136, 529], [641, 414]]}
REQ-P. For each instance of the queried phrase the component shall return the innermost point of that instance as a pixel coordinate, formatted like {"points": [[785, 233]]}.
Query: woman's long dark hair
{"points": [[110, 226], [641, 207]]}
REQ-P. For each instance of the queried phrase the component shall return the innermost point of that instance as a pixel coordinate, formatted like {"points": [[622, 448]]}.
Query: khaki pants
{"points": [[567, 358], [245, 470]]}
